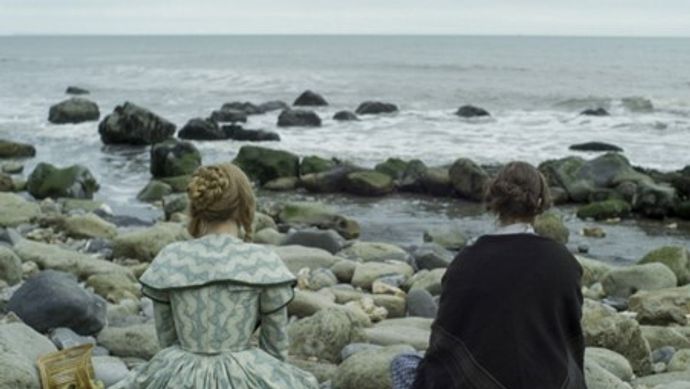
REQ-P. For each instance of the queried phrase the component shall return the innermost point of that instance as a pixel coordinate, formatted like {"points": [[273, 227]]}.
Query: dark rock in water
{"points": [[468, 179], [345, 116], [273, 105], [603, 210], [638, 104], [550, 225], [298, 118], [375, 107], [432, 256], [583, 249], [682, 210], [421, 303], [174, 203], [314, 164], [246, 107], [369, 183], [328, 240], [470, 111], [154, 191], [418, 178], [53, 299], [241, 134], [134, 125], [173, 158], [663, 354], [201, 129], [331, 181], [75, 90], [9, 149], [595, 146], [393, 167], [654, 200], [75, 181], [229, 115], [264, 164], [74, 110], [310, 99], [595, 112]]}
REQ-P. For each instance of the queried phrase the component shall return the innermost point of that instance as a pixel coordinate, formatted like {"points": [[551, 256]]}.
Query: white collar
{"points": [[515, 228]]}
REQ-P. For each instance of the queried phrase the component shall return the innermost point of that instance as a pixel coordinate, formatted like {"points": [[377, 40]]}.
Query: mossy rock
{"points": [[393, 167], [602, 210], [551, 225], [675, 257], [178, 184], [174, 158], [264, 164], [154, 191], [369, 183], [313, 164], [75, 181], [10, 149], [682, 210]]}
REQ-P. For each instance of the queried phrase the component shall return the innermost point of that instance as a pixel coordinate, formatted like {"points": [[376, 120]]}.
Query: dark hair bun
{"points": [[518, 192]]}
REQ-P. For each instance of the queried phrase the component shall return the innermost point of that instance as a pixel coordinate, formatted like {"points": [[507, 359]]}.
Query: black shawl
{"points": [[509, 318]]}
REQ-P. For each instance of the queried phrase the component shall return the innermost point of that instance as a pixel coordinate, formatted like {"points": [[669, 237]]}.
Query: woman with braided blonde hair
{"points": [[211, 294]]}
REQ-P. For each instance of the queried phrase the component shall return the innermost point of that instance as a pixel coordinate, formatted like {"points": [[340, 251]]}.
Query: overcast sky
{"points": [[523, 17]]}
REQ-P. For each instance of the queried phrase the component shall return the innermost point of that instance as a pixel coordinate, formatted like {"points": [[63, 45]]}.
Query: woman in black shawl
{"points": [[510, 309]]}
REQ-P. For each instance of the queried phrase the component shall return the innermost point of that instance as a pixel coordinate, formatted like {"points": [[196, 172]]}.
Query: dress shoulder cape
{"points": [[215, 258]]}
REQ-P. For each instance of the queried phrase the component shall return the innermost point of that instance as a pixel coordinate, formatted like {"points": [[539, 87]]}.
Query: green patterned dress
{"points": [[209, 295]]}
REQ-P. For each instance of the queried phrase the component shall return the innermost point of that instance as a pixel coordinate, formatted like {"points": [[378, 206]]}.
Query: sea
{"points": [[534, 88]]}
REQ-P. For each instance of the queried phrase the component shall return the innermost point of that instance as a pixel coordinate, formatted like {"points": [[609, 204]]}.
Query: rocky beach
{"points": [[366, 195]]}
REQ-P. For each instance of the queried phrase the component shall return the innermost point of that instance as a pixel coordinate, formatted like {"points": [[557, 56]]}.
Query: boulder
{"points": [[395, 168], [75, 181], [173, 158], [310, 99], [144, 244], [625, 281], [88, 226], [54, 299], [369, 183], [135, 341], [595, 146], [155, 190], [612, 361], [431, 281], [134, 125], [597, 377], [470, 111], [593, 271], [10, 266], [246, 107], [345, 116], [174, 203], [375, 107], [282, 184], [421, 303], [373, 252], [661, 336], [344, 270], [550, 225], [73, 110], [324, 335], [331, 181], [654, 200], [21, 347], [368, 370], [680, 361], [314, 164], [322, 371], [65, 338], [468, 179], [320, 278], [273, 105], [432, 256], [318, 215], [595, 112], [400, 331], [366, 273], [297, 258], [15, 210], [9, 149], [306, 303], [298, 118], [75, 90], [109, 370], [450, 238], [396, 306], [602, 210], [661, 307], [48, 256], [637, 104], [675, 257], [265, 164], [240, 134], [115, 287], [603, 327], [229, 115], [663, 380], [562, 173], [269, 236], [201, 129], [328, 240]]}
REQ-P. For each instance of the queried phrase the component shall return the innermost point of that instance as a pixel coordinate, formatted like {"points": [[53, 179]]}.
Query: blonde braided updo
{"points": [[218, 193]]}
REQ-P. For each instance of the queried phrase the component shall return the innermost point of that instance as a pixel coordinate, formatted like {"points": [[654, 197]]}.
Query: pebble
{"points": [[663, 354], [64, 338]]}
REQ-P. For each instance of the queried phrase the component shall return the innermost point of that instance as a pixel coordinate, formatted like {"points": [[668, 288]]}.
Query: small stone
{"points": [[663, 354], [66, 338], [421, 303], [109, 370]]}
